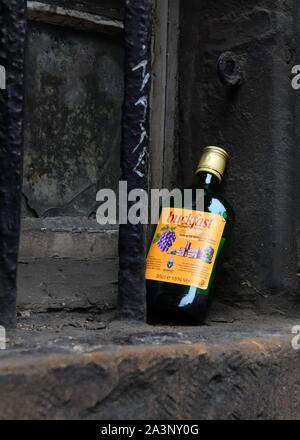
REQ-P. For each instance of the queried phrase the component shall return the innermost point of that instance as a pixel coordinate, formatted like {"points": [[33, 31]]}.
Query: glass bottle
{"points": [[187, 248]]}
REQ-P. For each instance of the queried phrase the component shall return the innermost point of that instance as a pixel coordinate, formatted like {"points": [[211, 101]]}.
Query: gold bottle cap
{"points": [[213, 160]]}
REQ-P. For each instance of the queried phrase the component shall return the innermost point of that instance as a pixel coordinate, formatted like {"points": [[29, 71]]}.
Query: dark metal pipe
{"points": [[135, 152], [12, 44]]}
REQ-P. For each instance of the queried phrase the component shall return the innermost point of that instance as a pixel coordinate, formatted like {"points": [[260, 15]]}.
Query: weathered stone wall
{"points": [[255, 122]]}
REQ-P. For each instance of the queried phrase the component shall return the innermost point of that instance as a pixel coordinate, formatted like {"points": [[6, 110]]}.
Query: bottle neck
{"points": [[207, 181]]}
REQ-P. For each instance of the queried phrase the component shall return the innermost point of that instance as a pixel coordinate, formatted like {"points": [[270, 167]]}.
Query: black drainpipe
{"points": [[12, 44], [135, 152]]}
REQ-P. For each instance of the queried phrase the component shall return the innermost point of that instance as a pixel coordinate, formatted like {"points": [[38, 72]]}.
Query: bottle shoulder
{"points": [[219, 205], [216, 203], [222, 202]]}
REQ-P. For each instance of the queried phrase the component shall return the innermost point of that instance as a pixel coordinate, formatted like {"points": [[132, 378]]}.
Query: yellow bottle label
{"points": [[184, 247]]}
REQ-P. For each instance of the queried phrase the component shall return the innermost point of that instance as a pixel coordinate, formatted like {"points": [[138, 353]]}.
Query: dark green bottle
{"points": [[186, 251]]}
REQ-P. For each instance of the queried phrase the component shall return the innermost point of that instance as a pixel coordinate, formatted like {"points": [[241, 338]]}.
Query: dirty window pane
{"points": [[74, 93]]}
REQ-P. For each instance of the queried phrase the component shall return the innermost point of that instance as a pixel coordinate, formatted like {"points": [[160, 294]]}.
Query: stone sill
{"points": [[83, 366], [67, 237], [70, 358]]}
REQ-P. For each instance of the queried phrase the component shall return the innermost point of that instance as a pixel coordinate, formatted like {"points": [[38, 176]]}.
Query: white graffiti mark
{"points": [[142, 101], [142, 65], [142, 138], [145, 81], [141, 160]]}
